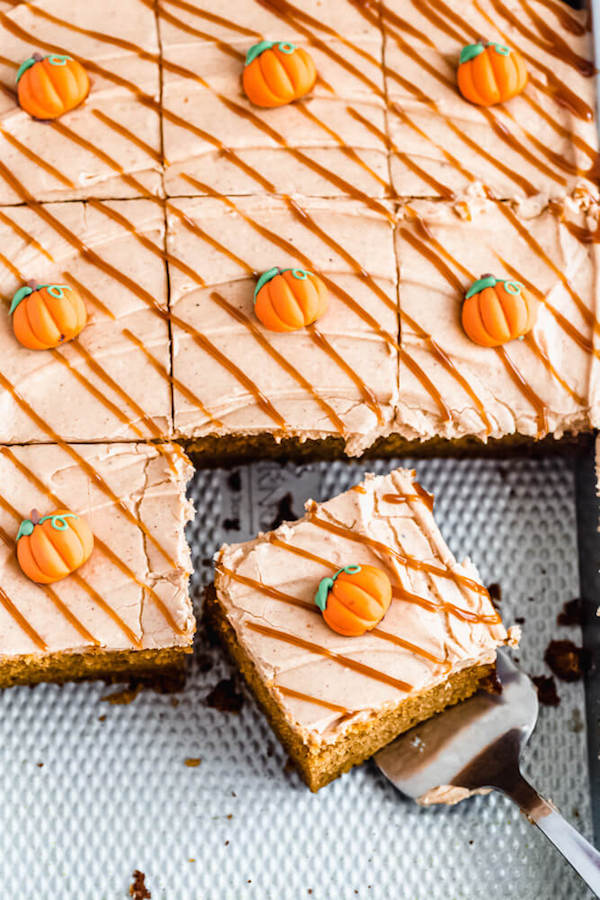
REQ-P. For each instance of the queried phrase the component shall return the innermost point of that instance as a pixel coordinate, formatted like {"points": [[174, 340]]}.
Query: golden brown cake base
{"points": [[109, 665], [234, 449], [318, 765]]}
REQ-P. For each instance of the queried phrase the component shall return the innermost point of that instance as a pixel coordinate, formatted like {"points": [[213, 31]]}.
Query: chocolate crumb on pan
{"points": [[565, 660], [225, 697], [546, 689], [571, 612], [138, 889]]}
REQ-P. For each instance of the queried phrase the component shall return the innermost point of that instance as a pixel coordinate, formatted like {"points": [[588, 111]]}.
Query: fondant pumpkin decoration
{"points": [[490, 73], [289, 299], [355, 600], [277, 73], [51, 547], [47, 315], [497, 311], [48, 86]]}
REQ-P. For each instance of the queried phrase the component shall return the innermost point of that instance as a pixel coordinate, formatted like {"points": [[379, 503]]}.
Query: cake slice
{"points": [[110, 145], [126, 610], [334, 700]]}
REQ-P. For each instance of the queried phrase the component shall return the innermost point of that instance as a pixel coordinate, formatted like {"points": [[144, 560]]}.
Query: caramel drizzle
{"points": [[339, 658], [308, 698], [420, 495], [104, 549], [409, 561], [291, 370], [398, 592], [28, 629], [276, 594]]}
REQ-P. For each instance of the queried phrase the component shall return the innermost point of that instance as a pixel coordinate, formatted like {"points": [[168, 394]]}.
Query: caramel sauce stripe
{"points": [[276, 594]]}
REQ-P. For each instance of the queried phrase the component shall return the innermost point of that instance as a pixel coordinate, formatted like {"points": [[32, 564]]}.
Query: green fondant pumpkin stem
{"points": [[481, 284], [256, 49], [264, 278], [470, 51], [326, 584]]}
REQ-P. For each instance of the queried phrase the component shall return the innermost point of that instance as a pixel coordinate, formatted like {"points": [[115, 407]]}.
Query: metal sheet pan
{"points": [[114, 792]]}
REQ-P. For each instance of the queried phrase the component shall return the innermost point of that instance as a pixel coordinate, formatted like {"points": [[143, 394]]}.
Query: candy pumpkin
{"points": [[490, 73], [289, 299], [46, 315], [48, 86], [277, 73], [355, 600], [51, 547], [497, 311]]}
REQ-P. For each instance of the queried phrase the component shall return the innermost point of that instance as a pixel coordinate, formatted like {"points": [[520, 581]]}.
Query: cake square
{"points": [[333, 381], [110, 146], [112, 382], [544, 141], [545, 383], [126, 611], [328, 143], [333, 700]]}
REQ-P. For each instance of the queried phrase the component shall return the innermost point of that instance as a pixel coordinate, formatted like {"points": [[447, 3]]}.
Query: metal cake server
{"points": [[476, 746]]}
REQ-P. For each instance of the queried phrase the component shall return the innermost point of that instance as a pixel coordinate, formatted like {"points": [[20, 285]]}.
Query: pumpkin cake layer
{"points": [[544, 141], [547, 383], [334, 380], [335, 700], [126, 610], [110, 146], [112, 382], [329, 143]]}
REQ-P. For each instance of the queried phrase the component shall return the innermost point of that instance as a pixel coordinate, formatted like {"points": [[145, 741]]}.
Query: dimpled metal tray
{"points": [[91, 791]]}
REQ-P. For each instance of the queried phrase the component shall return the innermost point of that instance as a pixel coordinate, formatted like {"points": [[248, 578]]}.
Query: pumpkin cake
{"points": [[126, 610], [333, 383], [545, 383], [334, 700], [112, 383], [543, 142], [110, 145], [333, 143]]}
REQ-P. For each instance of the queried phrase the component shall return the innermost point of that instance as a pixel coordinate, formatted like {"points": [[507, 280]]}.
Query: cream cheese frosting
{"points": [[338, 377], [441, 618], [543, 142], [132, 592], [545, 383], [112, 382], [110, 146]]}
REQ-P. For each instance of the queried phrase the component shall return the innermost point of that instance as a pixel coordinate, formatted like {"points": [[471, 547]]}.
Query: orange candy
{"points": [[490, 73], [355, 600], [289, 299], [51, 547], [47, 315], [277, 73], [48, 87], [496, 311]]}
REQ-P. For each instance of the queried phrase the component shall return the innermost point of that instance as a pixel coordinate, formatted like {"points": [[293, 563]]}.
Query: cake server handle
{"points": [[584, 858]]}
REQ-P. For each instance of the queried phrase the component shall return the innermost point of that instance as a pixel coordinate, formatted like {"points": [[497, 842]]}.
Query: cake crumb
{"points": [[102, 718], [122, 697], [546, 690], [225, 697], [192, 762], [138, 889], [40, 765], [564, 658], [495, 592], [571, 612]]}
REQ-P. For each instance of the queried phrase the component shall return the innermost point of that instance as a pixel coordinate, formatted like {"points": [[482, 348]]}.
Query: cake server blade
{"points": [[475, 747]]}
